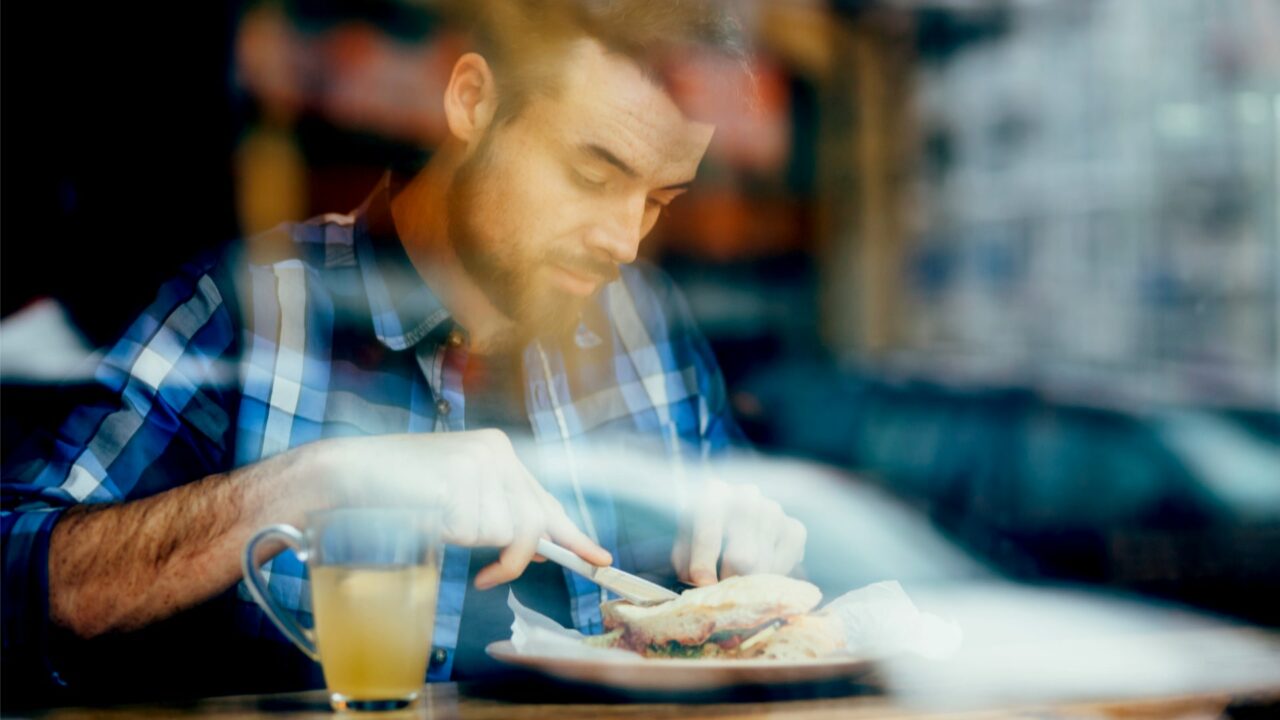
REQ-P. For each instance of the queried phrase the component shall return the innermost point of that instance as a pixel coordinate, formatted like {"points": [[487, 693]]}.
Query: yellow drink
{"points": [[373, 628]]}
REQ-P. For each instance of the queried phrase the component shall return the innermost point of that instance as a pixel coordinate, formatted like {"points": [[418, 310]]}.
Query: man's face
{"points": [[549, 204]]}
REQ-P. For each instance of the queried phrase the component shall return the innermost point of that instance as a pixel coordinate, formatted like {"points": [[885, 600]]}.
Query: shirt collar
{"points": [[404, 310]]}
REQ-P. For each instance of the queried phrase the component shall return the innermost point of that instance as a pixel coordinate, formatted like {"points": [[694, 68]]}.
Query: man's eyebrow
{"points": [[602, 153]]}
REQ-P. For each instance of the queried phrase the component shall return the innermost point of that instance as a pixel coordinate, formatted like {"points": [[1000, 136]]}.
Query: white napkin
{"points": [[533, 633], [879, 619]]}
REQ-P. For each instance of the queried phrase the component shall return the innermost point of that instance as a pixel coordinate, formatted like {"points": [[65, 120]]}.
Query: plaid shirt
{"points": [[229, 367]]}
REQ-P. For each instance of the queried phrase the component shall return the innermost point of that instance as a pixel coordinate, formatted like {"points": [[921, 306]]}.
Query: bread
{"points": [[737, 603], [746, 616], [804, 637]]}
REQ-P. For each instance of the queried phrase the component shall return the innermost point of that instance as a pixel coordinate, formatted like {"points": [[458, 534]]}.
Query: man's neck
{"points": [[420, 213]]}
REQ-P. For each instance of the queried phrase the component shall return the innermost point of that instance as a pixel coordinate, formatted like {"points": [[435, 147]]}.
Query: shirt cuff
{"points": [[26, 626]]}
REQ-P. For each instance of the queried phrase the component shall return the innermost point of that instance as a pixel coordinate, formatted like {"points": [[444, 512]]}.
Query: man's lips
{"points": [[575, 282]]}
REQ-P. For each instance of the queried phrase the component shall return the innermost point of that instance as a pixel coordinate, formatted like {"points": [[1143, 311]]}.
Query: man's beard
{"points": [[504, 270]]}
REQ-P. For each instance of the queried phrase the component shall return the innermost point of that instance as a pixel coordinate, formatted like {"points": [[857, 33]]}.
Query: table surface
{"points": [[1247, 690], [450, 700]]}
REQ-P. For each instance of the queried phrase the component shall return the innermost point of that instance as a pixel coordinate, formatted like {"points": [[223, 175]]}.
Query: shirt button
{"points": [[443, 407], [455, 339], [438, 657]]}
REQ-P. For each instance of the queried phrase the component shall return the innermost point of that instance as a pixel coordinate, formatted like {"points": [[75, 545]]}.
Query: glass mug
{"points": [[375, 575]]}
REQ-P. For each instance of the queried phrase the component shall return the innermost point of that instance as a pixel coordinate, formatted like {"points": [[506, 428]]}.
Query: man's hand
{"points": [[120, 567], [753, 532], [488, 496]]}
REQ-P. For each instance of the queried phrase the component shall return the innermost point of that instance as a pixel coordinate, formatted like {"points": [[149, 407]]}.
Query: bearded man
{"points": [[391, 357]]}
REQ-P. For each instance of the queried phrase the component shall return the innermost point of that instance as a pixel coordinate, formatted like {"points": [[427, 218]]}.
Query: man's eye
{"points": [[588, 181]]}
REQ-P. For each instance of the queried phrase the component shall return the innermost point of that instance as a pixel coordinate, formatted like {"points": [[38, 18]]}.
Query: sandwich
{"points": [[749, 616]]}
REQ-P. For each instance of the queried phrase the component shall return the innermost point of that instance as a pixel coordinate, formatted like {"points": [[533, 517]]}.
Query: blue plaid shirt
{"points": [[235, 362]]}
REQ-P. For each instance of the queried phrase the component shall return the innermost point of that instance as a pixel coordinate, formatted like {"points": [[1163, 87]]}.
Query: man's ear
{"points": [[470, 99]]}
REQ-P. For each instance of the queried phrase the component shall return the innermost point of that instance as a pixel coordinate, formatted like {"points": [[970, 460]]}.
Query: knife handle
{"points": [[565, 558]]}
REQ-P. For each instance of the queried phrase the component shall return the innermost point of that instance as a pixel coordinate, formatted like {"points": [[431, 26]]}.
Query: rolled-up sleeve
{"points": [[26, 584]]}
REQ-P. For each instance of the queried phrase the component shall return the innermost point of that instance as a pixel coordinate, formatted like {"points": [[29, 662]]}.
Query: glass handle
{"points": [[302, 637]]}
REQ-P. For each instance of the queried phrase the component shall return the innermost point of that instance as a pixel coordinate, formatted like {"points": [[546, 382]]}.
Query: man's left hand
{"points": [[751, 530]]}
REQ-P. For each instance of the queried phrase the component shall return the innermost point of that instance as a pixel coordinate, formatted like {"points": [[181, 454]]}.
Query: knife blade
{"points": [[631, 587]]}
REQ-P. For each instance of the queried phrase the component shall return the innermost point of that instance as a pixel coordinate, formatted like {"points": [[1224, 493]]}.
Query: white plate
{"points": [[679, 675]]}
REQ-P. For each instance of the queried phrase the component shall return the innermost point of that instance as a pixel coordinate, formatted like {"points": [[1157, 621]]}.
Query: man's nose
{"points": [[618, 233]]}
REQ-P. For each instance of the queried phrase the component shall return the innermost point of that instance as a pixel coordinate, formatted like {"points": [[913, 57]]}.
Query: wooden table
{"points": [[449, 700]]}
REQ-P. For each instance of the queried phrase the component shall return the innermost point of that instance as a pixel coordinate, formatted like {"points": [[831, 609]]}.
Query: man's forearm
{"points": [[120, 567]]}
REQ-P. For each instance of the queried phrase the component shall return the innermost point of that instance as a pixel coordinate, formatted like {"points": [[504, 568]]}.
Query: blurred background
{"points": [[1013, 262]]}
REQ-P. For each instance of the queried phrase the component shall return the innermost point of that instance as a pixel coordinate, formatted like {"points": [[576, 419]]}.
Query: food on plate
{"points": [[749, 616]]}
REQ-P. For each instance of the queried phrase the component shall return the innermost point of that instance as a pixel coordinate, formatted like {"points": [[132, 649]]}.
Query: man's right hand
{"points": [[119, 567], [487, 495]]}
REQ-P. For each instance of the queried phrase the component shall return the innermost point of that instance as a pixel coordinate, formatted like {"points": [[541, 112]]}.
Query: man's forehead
{"points": [[607, 100]]}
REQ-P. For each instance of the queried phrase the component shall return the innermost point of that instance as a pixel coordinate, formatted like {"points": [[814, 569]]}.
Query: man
{"points": [[491, 290]]}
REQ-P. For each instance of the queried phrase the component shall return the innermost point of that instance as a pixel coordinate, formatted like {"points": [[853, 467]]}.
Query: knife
{"points": [[631, 587]]}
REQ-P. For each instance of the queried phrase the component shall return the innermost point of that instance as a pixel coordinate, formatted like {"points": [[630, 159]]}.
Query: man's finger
{"points": [[741, 547], [567, 535], [769, 523], [790, 549], [680, 556], [515, 557], [462, 512], [707, 537], [510, 564], [499, 510]]}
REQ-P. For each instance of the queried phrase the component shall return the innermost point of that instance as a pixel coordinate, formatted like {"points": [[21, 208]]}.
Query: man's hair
{"points": [[525, 41]]}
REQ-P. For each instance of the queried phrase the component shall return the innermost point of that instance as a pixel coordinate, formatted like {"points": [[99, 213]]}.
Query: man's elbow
{"points": [[82, 616]]}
